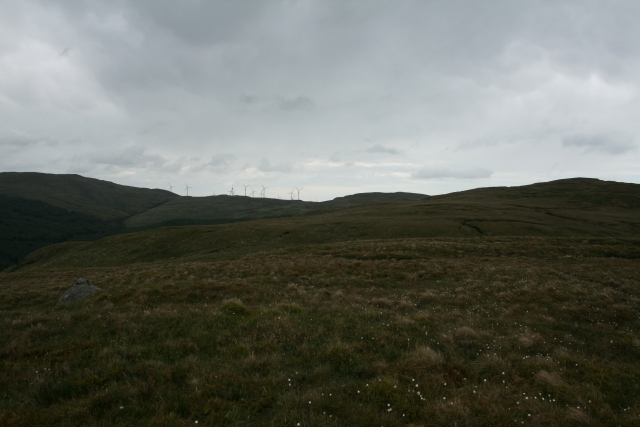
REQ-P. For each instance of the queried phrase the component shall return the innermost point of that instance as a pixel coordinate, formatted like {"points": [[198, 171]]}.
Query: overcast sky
{"points": [[335, 97]]}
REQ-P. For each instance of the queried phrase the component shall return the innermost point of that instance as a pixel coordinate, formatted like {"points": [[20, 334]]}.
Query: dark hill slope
{"points": [[572, 193], [365, 198], [477, 213], [40, 209], [577, 206], [102, 199], [223, 209], [26, 225]]}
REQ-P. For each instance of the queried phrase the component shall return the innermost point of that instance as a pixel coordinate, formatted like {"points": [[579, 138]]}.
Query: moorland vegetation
{"points": [[504, 306]]}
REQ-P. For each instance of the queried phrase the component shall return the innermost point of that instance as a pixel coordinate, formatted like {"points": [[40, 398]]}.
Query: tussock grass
{"points": [[329, 335]]}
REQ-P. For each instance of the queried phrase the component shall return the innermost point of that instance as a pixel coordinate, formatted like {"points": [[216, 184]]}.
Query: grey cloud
{"points": [[266, 166], [173, 166], [611, 144], [299, 103], [248, 99], [435, 173], [19, 141], [202, 22], [518, 82], [131, 157], [381, 149], [476, 143], [220, 160], [335, 157]]}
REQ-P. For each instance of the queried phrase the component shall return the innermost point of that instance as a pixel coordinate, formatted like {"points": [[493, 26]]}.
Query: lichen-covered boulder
{"points": [[80, 290]]}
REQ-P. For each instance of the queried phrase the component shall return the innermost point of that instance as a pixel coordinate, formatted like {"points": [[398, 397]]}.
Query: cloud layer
{"points": [[335, 97], [438, 173]]}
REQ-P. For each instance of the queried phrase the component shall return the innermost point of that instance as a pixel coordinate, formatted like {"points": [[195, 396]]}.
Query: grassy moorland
{"points": [[38, 209], [391, 314], [102, 199], [486, 331], [26, 225], [225, 209]]}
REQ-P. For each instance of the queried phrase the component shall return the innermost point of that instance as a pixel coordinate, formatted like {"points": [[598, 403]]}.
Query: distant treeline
{"points": [[26, 225]]}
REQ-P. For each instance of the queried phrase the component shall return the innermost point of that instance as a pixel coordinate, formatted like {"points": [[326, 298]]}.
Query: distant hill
{"points": [[40, 209], [102, 199], [570, 193], [223, 209], [566, 208], [26, 225], [365, 198]]}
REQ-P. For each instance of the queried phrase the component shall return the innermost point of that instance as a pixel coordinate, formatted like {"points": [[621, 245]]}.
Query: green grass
{"points": [[441, 331]]}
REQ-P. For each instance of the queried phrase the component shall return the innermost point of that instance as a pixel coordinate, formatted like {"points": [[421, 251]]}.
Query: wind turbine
{"points": [[245, 190], [291, 193], [299, 189], [187, 188], [264, 192], [253, 192], [231, 193], [170, 187]]}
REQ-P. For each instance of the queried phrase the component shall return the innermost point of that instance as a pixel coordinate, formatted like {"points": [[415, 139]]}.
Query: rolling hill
{"points": [[26, 225], [101, 199], [570, 207], [223, 209], [494, 306], [40, 209], [566, 208]]}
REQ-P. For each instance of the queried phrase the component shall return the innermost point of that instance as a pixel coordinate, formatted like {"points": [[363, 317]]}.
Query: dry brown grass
{"points": [[574, 414], [423, 318], [227, 342], [546, 378], [426, 356], [382, 302], [467, 333], [405, 305], [526, 342]]}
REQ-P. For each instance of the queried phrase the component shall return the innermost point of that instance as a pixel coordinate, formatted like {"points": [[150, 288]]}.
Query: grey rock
{"points": [[80, 290]]}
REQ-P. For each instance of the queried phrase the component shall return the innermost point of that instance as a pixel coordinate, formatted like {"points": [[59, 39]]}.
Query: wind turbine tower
{"points": [[231, 192], [291, 193], [245, 190], [170, 187], [264, 191], [187, 188], [299, 189]]}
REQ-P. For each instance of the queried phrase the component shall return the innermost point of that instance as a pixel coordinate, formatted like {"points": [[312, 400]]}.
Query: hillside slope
{"points": [[102, 199], [478, 214], [26, 225], [300, 320], [571, 193], [223, 209]]}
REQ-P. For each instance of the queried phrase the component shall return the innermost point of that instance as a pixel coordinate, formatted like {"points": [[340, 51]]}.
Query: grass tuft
{"points": [[234, 306]]}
